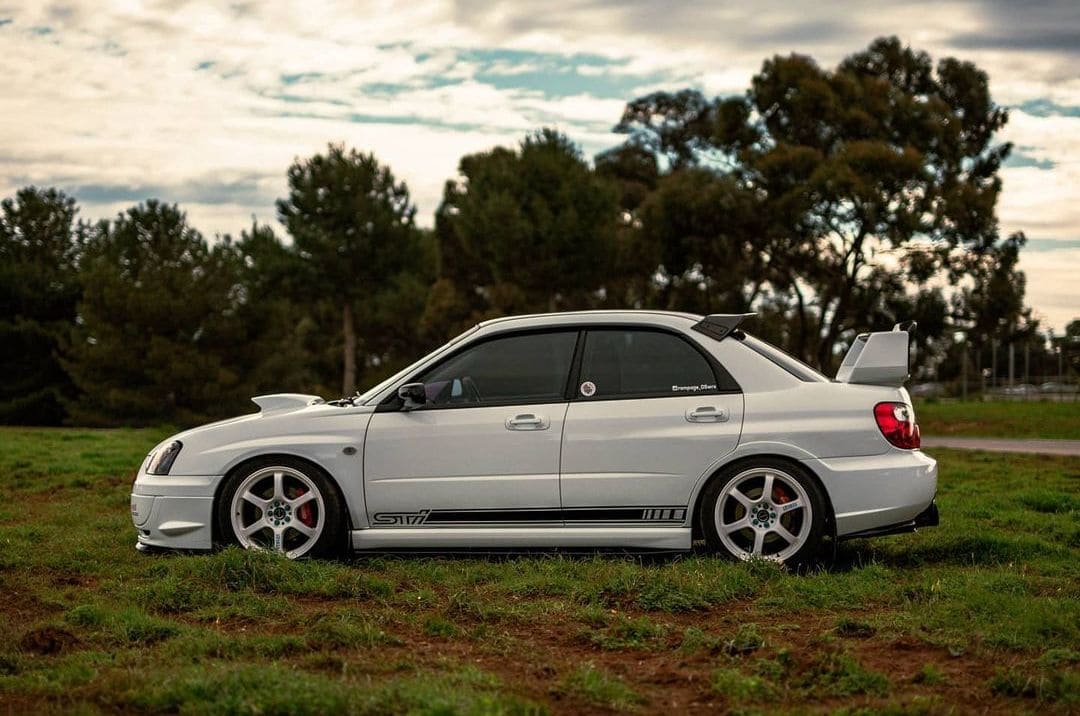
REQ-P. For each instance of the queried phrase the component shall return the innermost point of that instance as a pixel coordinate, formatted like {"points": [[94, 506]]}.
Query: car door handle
{"points": [[708, 414], [527, 421]]}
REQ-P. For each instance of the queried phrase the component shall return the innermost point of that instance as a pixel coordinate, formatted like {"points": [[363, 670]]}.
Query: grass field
{"points": [[1000, 420], [981, 614]]}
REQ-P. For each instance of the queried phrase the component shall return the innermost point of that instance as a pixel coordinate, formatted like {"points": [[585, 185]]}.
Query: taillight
{"points": [[897, 423]]}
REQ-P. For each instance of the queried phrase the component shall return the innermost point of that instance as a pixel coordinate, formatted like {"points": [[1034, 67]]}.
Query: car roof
{"points": [[602, 316]]}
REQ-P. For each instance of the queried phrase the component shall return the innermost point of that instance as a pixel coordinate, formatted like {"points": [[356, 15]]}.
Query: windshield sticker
{"points": [[588, 389], [692, 388]]}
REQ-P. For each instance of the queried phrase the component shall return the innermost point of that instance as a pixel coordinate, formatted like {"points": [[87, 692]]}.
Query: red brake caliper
{"points": [[306, 512], [780, 495]]}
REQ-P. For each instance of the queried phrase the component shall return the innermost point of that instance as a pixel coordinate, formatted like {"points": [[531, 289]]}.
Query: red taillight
{"points": [[897, 424]]}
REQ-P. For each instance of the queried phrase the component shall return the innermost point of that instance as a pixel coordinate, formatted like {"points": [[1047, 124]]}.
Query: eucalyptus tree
{"points": [[886, 164]]}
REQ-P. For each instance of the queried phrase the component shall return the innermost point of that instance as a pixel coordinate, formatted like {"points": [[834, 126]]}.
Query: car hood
{"points": [[283, 419]]}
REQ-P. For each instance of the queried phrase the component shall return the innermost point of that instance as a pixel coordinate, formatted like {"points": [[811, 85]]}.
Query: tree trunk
{"points": [[348, 331], [825, 350]]}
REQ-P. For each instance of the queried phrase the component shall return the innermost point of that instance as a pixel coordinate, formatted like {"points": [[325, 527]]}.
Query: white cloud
{"points": [[1051, 285], [184, 95], [1044, 203]]}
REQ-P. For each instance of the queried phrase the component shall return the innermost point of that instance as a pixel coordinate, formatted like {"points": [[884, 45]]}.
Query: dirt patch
{"points": [[19, 607], [672, 679], [47, 641]]}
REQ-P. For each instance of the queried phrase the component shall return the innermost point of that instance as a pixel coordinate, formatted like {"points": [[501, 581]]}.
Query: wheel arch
{"points": [[216, 526], [738, 462]]}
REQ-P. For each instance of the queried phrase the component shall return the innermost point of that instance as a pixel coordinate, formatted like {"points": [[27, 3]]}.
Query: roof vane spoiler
{"points": [[906, 326], [720, 325]]}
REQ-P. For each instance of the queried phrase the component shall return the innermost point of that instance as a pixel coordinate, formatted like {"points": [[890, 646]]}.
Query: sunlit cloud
{"points": [[206, 104]]}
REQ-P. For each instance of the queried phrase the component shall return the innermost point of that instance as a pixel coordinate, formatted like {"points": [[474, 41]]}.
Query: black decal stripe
{"points": [[487, 516], [572, 515]]}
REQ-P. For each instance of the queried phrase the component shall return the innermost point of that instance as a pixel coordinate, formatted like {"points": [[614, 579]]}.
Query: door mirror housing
{"points": [[413, 396]]}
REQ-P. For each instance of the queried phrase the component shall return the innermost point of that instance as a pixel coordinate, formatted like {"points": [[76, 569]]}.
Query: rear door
{"points": [[484, 450], [651, 413]]}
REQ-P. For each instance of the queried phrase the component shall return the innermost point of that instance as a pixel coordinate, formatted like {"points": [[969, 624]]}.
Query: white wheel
{"points": [[766, 511], [763, 513], [278, 508]]}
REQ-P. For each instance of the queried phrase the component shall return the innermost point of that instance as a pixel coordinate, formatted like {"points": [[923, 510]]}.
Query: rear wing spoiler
{"points": [[720, 325], [881, 358]]}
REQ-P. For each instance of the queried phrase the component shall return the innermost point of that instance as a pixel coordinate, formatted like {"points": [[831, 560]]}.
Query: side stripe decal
{"points": [[530, 516]]}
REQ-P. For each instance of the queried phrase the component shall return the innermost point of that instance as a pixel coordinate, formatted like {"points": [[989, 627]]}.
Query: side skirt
{"points": [[661, 538]]}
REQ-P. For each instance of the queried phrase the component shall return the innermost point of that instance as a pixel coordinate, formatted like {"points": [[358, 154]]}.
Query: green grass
{"points": [[1047, 420], [598, 687], [979, 614]]}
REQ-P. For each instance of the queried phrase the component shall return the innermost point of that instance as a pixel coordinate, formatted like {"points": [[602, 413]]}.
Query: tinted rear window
{"points": [[638, 363]]}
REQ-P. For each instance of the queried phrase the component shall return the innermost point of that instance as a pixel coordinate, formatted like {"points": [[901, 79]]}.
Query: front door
{"points": [[651, 414], [484, 450]]}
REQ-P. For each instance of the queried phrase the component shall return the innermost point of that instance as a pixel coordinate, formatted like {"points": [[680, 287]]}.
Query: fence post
{"points": [[1012, 363], [993, 362], [963, 371]]}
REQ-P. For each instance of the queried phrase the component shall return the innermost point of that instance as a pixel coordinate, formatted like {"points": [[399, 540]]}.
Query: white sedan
{"points": [[639, 430]]}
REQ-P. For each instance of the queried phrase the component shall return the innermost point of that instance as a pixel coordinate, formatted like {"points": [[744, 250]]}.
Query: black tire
{"points": [[330, 543], [815, 549]]}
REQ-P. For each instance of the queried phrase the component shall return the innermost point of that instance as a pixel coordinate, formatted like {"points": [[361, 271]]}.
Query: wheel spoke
{"points": [[279, 485], [254, 527], [302, 499], [785, 533], [741, 498], [279, 539], [766, 492], [737, 525], [254, 499], [784, 508], [303, 529], [759, 542]]}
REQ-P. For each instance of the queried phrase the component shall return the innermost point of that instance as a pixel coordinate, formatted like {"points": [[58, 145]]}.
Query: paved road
{"points": [[1039, 447]]}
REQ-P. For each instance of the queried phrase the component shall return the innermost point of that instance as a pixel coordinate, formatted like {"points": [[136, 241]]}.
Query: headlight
{"points": [[162, 460]]}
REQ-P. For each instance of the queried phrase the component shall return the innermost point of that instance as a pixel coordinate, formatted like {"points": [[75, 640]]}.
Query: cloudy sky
{"points": [[206, 104]]}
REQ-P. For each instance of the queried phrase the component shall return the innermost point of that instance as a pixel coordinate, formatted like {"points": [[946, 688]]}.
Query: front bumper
{"points": [[878, 491], [174, 511]]}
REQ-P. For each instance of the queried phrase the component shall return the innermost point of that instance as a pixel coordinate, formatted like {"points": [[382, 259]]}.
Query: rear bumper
{"points": [[927, 518], [878, 491], [173, 511]]}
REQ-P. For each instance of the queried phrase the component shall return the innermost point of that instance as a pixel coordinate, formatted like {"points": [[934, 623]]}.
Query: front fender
{"points": [[331, 437]]}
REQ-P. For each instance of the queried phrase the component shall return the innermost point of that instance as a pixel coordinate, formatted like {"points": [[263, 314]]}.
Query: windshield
{"points": [[788, 362]]}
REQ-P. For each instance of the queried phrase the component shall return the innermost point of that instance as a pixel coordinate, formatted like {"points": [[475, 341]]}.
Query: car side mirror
{"points": [[413, 395]]}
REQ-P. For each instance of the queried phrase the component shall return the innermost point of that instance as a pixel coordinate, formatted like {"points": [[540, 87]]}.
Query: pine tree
{"points": [[39, 248]]}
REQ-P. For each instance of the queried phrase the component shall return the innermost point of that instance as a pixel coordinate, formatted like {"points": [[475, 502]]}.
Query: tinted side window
{"points": [[530, 368], [644, 364]]}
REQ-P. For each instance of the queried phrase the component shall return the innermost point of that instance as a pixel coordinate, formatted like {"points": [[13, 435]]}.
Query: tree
{"points": [[157, 323], [353, 228], [885, 164], [1068, 346], [282, 349], [39, 249], [708, 235], [522, 230]]}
